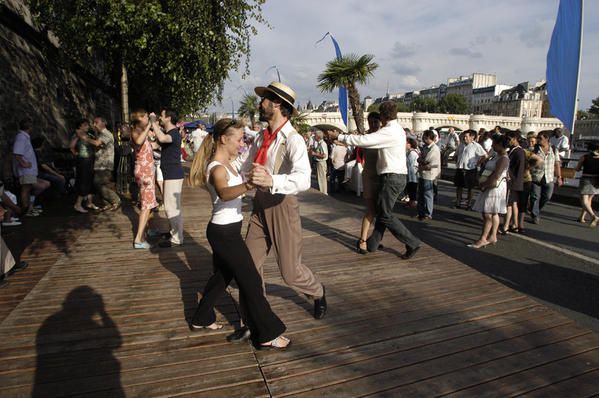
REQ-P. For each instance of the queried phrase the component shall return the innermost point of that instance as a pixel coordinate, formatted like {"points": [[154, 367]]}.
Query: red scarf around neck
{"points": [[267, 139]]}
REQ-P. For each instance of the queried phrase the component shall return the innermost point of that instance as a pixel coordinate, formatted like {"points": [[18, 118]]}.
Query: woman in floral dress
{"points": [[144, 174]]}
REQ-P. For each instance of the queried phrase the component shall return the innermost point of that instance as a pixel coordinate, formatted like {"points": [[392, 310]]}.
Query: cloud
{"points": [[465, 52], [402, 50], [406, 68], [537, 35]]}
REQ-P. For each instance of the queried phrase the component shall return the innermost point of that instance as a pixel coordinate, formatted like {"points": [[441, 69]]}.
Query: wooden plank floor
{"points": [[93, 317]]}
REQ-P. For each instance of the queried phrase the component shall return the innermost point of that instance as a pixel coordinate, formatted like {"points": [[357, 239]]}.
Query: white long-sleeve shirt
{"points": [[295, 171], [391, 144]]}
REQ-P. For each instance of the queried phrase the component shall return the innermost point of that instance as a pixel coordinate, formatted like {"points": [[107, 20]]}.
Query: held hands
{"points": [[259, 176]]}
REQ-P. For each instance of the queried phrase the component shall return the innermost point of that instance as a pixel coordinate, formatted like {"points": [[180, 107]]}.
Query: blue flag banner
{"points": [[563, 61], [342, 90]]}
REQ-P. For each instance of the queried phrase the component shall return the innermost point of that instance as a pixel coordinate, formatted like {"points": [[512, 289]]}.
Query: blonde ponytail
{"points": [[197, 173]]}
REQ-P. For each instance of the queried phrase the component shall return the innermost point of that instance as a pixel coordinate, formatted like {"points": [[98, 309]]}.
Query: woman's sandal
{"points": [[280, 343], [359, 247], [212, 327]]}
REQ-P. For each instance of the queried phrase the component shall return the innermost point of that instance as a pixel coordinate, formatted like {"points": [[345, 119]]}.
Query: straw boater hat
{"points": [[285, 93]]}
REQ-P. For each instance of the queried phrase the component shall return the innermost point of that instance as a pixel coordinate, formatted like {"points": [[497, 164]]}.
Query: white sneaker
{"points": [[11, 223]]}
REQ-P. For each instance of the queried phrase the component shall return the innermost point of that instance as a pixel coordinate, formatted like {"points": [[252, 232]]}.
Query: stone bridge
{"points": [[420, 121]]}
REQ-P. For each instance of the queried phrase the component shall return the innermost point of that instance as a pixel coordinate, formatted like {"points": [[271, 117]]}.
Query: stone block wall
{"points": [[34, 83]]}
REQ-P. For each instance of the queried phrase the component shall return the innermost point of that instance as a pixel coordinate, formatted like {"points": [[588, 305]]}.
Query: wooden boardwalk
{"points": [[93, 317]]}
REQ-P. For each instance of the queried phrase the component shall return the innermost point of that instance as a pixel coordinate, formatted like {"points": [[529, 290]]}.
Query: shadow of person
{"points": [[75, 349]]}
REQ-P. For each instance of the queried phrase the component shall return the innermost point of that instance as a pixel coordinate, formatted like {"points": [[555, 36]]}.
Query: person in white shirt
{"points": [[338, 156], [412, 161], [453, 140], [561, 143], [197, 136], [320, 153], [470, 155], [392, 170], [278, 164], [429, 168], [232, 260]]}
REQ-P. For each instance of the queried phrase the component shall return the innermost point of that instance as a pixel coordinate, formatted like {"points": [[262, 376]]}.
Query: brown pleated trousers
{"points": [[275, 225]]}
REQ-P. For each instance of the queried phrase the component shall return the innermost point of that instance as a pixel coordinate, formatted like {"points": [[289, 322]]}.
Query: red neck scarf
{"points": [[267, 139]]}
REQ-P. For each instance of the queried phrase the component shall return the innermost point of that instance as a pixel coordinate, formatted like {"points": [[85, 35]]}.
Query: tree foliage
{"points": [[594, 109], [454, 103], [300, 123], [248, 107], [348, 71], [582, 115], [425, 104], [177, 52]]}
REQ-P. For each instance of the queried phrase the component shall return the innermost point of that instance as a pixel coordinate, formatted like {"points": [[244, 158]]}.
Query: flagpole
{"points": [[578, 73]]}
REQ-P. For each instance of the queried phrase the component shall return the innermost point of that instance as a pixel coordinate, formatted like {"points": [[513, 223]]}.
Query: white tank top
{"points": [[224, 212]]}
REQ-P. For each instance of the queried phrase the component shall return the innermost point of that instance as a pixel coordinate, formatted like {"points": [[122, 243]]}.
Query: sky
{"points": [[417, 44]]}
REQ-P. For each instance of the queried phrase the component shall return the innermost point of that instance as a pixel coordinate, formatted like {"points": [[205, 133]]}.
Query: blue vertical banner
{"points": [[563, 61], [342, 90]]}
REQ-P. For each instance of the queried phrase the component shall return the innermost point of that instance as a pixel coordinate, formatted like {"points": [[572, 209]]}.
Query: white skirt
{"points": [[492, 201]]}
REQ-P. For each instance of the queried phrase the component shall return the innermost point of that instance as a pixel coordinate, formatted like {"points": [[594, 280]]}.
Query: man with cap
{"points": [[277, 164]]}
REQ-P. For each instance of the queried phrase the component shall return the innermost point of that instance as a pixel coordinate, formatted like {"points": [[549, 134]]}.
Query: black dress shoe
{"points": [[320, 306], [410, 252], [240, 335], [21, 265]]}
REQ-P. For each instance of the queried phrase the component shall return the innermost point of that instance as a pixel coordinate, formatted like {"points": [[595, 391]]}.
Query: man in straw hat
{"points": [[278, 165]]}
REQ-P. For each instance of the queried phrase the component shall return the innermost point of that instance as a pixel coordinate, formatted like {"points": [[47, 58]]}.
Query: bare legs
{"points": [[586, 202], [144, 216], [367, 222], [489, 232], [511, 215]]}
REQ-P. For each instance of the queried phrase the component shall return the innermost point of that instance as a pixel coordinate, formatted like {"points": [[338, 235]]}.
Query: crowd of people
{"points": [[513, 176]]}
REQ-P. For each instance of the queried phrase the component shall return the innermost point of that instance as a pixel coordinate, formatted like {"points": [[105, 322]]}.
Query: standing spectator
{"points": [[589, 182], [104, 166], [561, 143], [393, 172], [453, 140], [469, 156], [25, 168], [412, 162], [197, 136], [370, 182], [544, 178], [531, 161], [338, 156], [492, 200], [83, 146], [320, 154], [487, 142], [124, 169], [145, 174], [429, 167], [172, 171], [515, 183]]}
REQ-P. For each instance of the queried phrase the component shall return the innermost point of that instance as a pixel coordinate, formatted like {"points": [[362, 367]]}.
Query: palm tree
{"points": [[249, 107], [348, 71], [300, 124]]}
